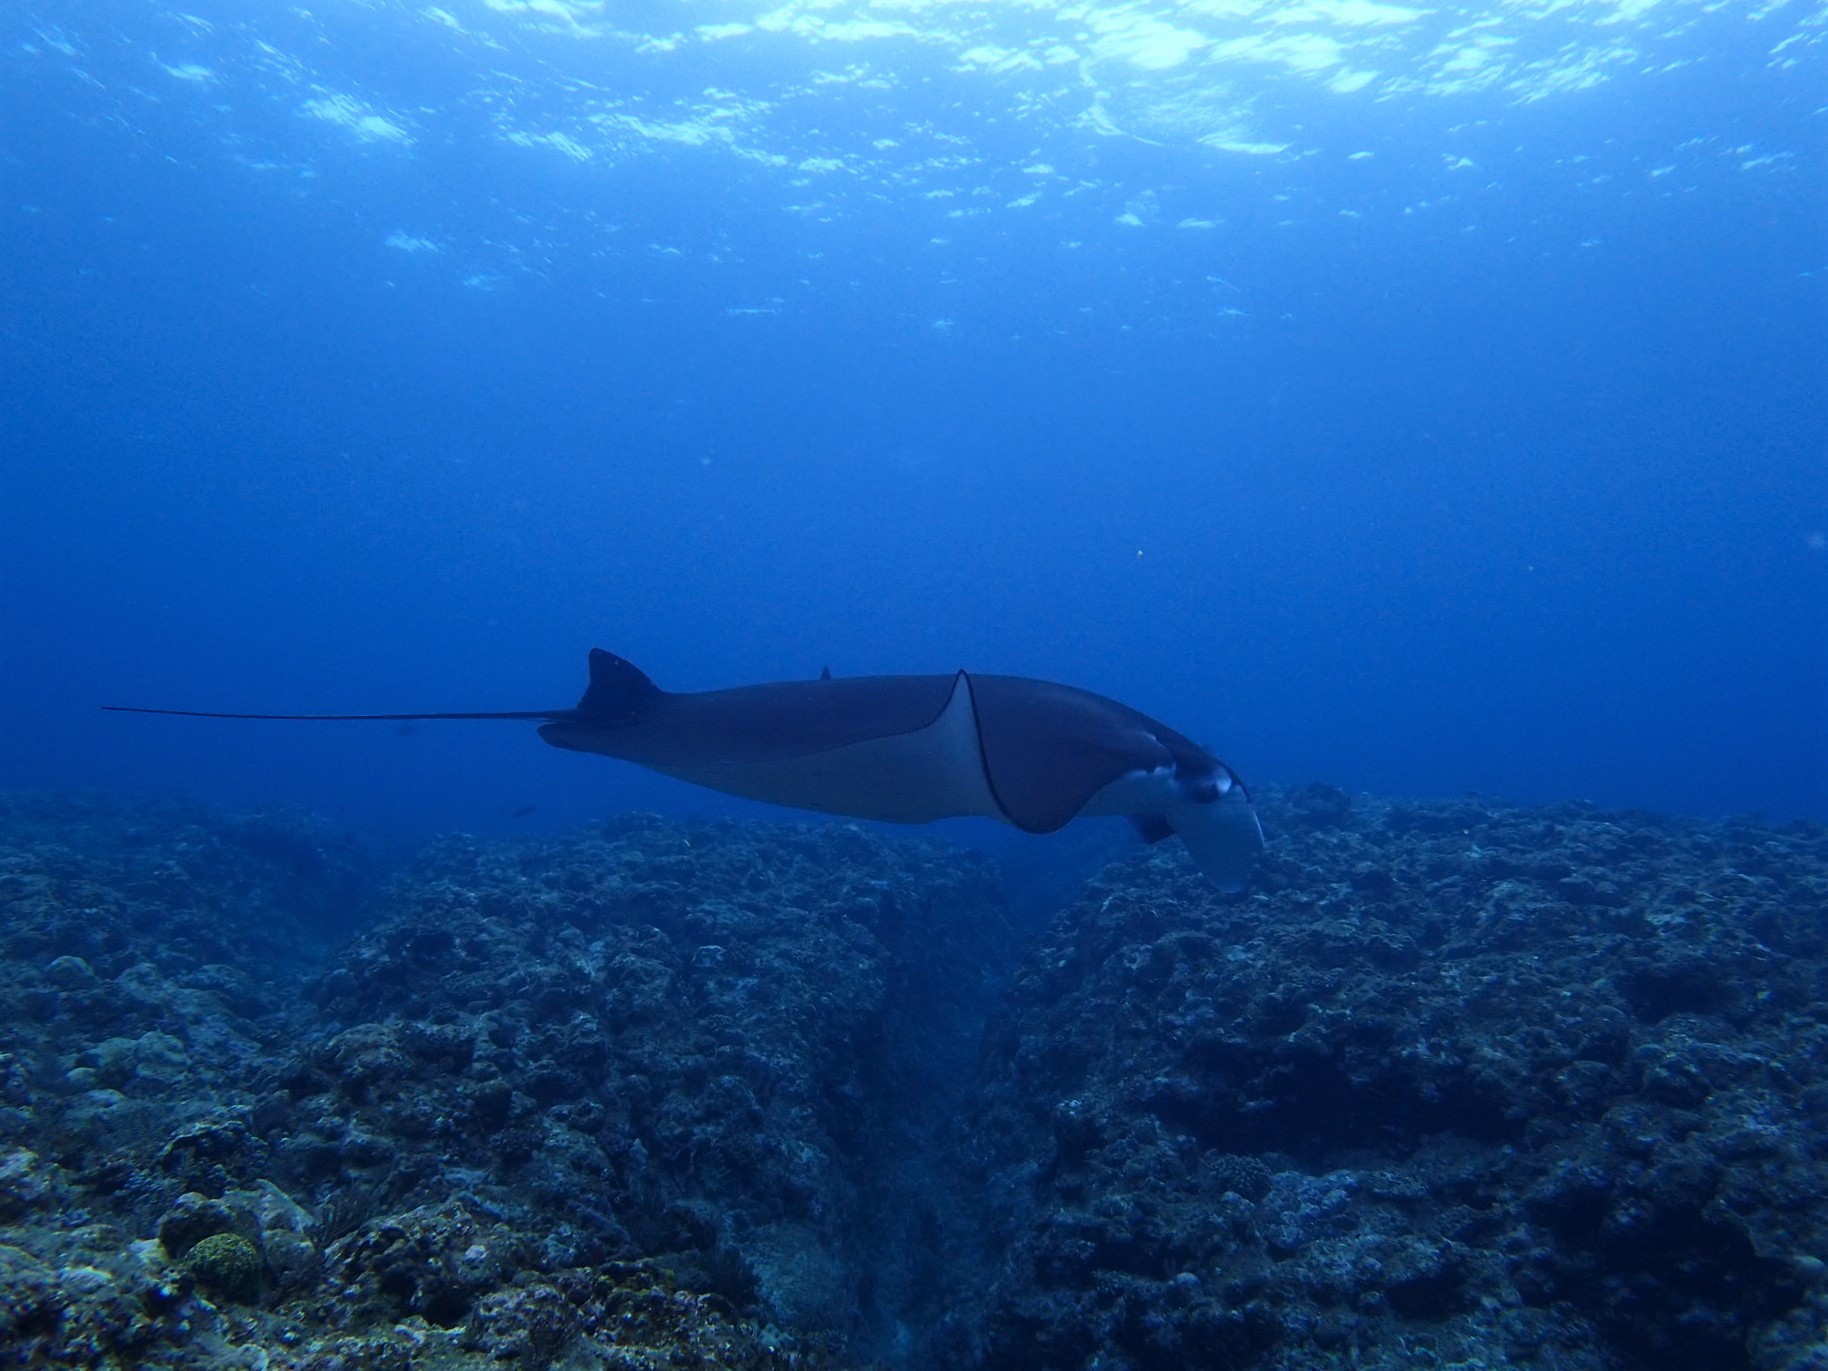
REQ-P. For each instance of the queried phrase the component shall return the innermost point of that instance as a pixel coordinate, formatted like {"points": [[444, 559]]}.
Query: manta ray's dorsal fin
{"points": [[619, 691]]}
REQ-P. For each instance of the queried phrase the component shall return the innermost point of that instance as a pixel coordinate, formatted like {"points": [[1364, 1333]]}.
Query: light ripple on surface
{"points": [[956, 111]]}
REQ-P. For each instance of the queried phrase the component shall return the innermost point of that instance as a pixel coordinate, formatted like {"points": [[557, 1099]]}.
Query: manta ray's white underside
{"points": [[936, 772]]}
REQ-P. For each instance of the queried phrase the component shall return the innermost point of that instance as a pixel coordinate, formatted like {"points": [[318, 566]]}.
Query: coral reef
{"points": [[1455, 1084], [675, 1055], [1459, 1084]]}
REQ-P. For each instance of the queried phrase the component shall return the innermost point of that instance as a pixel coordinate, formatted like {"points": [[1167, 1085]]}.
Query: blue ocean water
{"points": [[1418, 399]]}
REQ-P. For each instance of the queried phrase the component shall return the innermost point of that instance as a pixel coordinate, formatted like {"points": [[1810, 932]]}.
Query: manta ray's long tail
{"points": [[545, 715], [618, 691]]}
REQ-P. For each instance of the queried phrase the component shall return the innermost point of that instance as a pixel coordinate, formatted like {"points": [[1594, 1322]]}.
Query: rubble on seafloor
{"points": [[1454, 1084]]}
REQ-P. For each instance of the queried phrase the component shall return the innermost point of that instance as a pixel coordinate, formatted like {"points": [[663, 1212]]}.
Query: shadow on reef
{"points": [[1454, 1085]]}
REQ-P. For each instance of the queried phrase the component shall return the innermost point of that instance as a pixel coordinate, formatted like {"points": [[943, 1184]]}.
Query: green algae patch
{"points": [[227, 1264]]}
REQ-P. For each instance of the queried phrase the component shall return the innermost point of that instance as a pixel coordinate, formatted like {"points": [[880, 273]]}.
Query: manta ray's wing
{"points": [[1053, 753], [1049, 750]]}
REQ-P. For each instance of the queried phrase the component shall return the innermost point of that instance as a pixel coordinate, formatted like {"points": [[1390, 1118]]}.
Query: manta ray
{"points": [[905, 749]]}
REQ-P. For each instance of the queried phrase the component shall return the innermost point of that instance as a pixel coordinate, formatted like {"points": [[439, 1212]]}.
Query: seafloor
{"points": [[1454, 1085]]}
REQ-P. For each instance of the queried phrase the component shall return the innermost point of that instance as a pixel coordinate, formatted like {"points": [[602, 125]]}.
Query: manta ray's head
{"points": [[1219, 824]]}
